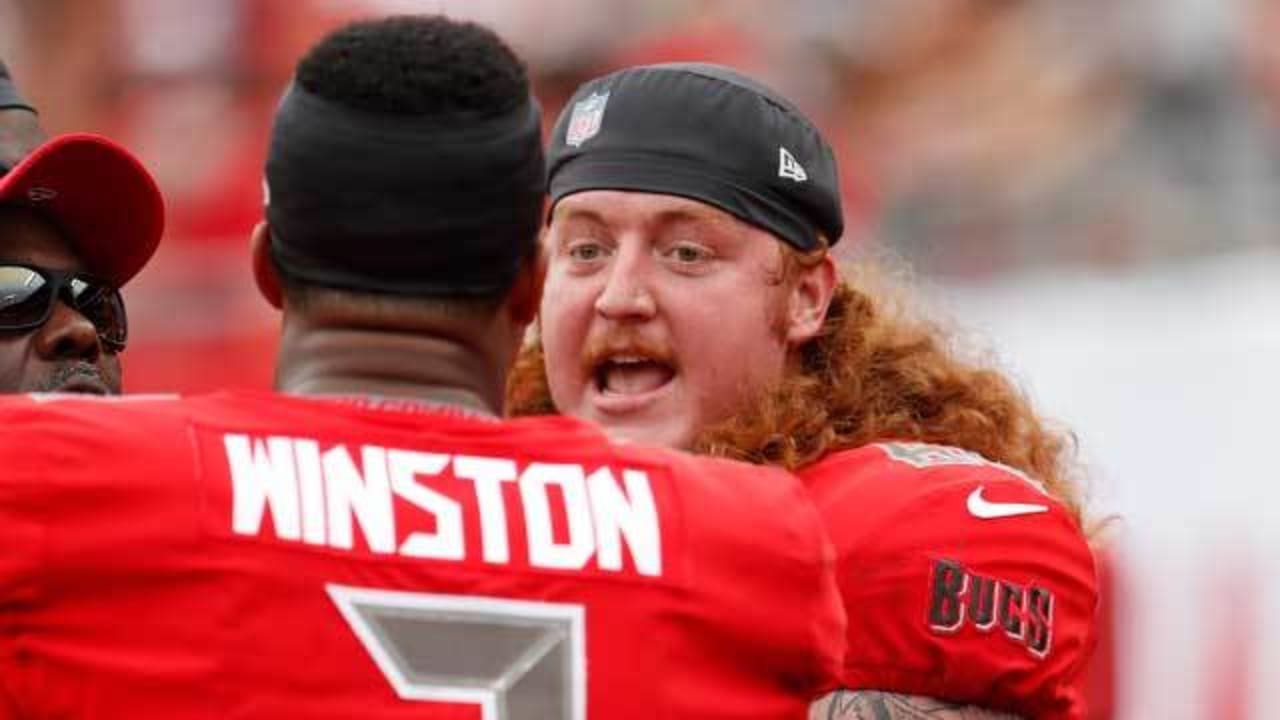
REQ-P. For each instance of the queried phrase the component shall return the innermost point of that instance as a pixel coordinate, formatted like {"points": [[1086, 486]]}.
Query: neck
{"points": [[434, 369]]}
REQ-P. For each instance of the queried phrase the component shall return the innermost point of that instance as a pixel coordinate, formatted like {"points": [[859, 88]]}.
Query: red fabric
{"points": [[1102, 676], [102, 195], [136, 581], [914, 564]]}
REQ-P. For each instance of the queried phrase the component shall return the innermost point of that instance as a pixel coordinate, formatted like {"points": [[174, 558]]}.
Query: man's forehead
{"points": [[28, 235], [21, 216], [647, 208]]}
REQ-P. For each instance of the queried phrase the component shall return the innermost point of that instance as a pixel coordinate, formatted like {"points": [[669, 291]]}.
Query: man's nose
{"points": [[626, 294], [67, 335]]}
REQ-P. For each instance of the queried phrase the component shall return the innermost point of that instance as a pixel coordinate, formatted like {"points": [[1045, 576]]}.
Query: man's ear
{"points": [[264, 268], [526, 292], [808, 301]]}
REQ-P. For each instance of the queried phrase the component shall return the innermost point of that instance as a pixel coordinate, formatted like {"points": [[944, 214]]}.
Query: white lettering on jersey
{"points": [[544, 551], [311, 488], [365, 498], [261, 477], [632, 516], [329, 499], [488, 474], [446, 543]]}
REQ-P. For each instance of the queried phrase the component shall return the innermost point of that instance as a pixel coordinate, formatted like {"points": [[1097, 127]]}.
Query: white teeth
{"points": [[628, 359]]}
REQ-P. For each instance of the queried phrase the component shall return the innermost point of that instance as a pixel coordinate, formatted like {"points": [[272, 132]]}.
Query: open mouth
{"points": [[631, 375]]}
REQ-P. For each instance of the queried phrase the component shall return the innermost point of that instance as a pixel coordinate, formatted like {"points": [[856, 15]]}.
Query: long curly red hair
{"points": [[875, 372]]}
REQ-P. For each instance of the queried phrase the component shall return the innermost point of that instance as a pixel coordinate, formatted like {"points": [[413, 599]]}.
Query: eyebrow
{"points": [[577, 213], [683, 215], [668, 216]]}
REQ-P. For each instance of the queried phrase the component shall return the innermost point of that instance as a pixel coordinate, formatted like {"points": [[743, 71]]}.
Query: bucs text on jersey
{"points": [[962, 580]]}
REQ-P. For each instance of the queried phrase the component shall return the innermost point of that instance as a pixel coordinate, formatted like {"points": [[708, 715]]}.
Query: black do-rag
{"points": [[703, 132], [403, 204]]}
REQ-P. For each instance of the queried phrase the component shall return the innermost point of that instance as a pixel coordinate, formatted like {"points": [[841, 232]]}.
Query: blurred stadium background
{"points": [[1091, 188]]}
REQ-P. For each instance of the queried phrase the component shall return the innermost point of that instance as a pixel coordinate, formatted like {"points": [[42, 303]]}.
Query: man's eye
{"points": [[689, 253], [586, 252]]}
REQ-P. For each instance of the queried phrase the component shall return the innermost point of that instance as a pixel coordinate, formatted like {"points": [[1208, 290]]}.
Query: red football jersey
{"points": [[962, 579], [247, 555]]}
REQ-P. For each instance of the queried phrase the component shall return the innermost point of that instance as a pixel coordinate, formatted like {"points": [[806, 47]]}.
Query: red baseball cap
{"points": [[100, 194]]}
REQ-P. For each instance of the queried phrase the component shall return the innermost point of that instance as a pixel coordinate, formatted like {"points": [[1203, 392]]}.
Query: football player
{"points": [[372, 540], [691, 300]]}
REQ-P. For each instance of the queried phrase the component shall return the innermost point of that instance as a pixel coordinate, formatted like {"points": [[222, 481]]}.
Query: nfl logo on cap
{"points": [[584, 123]]}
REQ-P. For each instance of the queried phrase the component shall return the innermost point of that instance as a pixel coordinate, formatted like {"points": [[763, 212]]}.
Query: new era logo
{"points": [[789, 167]]}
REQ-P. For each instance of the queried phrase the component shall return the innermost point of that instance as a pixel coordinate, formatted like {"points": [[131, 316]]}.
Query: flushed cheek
{"points": [[721, 376], [563, 317], [562, 350], [563, 376], [567, 303]]}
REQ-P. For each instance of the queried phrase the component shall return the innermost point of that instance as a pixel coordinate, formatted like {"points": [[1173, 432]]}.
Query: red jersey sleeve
{"points": [[787, 613], [962, 580]]}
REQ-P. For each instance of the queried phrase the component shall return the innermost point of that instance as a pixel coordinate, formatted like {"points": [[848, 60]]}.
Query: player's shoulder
{"points": [[903, 492], [938, 549], [754, 534], [925, 464], [729, 499], [348, 418], [584, 439], [77, 402], [42, 411], [897, 474], [122, 422], [764, 506], [947, 510], [84, 440], [718, 476]]}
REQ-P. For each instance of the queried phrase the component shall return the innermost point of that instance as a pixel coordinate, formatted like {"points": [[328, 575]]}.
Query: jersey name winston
{"points": [[444, 506]]}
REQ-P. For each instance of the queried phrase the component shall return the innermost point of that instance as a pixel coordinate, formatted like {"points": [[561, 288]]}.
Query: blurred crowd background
{"points": [[1090, 187]]}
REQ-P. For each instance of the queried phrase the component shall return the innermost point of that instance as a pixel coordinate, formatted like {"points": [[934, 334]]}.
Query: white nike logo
{"points": [[980, 507]]}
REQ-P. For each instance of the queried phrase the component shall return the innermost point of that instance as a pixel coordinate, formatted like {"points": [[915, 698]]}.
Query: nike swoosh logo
{"points": [[980, 507]]}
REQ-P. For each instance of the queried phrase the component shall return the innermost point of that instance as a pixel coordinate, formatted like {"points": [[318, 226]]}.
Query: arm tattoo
{"points": [[874, 705]]}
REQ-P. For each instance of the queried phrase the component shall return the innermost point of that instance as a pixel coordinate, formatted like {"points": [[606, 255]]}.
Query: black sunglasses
{"points": [[27, 295]]}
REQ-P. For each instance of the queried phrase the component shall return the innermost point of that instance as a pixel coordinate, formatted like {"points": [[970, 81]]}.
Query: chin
{"points": [[677, 437]]}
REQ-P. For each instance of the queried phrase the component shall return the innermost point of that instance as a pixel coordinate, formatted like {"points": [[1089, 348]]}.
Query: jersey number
{"points": [[516, 659]]}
